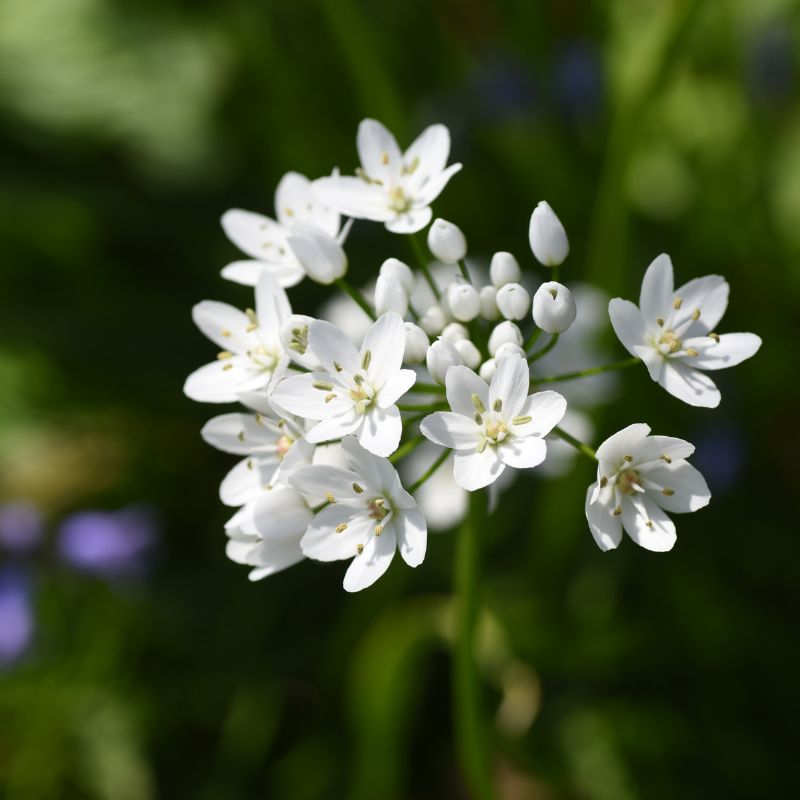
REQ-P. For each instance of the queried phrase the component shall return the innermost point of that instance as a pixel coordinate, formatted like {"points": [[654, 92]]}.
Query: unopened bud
{"points": [[489, 309], [320, 255], [446, 242], [455, 331], [470, 354], [417, 343], [553, 307], [441, 356], [390, 295], [504, 332], [504, 269], [401, 272], [547, 236], [487, 370], [513, 301], [433, 320], [508, 349], [464, 301]]}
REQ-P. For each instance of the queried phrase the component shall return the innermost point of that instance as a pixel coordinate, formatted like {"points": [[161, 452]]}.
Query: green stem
{"points": [[422, 260], [427, 388], [356, 295], [470, 735], [576, 443], [406, 448], [546, 349], [584, 373], [462, 265], [555, 273], [440, 459], [532, 339]]}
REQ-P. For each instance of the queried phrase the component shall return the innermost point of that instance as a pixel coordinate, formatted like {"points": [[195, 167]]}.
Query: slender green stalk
{"points": [[470, 734], [532, 339], [440, 459], [462, 265], [585, 373], [356, 295], [406, 448], [546, 349], [427, 388], [576, 443], [438, 406], [422, 260], [555, 273]]}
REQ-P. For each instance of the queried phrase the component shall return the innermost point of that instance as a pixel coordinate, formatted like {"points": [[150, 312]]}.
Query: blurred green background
{"points": [[145, 664]]}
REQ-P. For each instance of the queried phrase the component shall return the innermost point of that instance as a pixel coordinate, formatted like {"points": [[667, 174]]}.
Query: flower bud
{"points": [[504, 269], [487, 370], [509, 349], [441, 356], [504, 332], [455, 331], [513, 301], [320, 255], [553, 307], [470, 354], [401, 272], [446, 241], [547, 236], [489, 309], [464, 301], [294, 334], [417, 343], [433, 320], [390, 295]]}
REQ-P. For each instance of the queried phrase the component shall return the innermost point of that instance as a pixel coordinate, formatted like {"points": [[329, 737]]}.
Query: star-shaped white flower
{"points": [[493, 426], [265, 239], [251, 342], [639, 479], [392, 187], [357, 391], [673, 332], [368, 517]]}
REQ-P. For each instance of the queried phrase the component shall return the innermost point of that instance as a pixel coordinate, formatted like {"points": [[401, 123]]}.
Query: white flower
{"points": [[673, 332], [513, 301], [265, 239], [504, 269], [446, 241], [464, 301], [320, 255], [553, 307], [547, 236], [417, 344], [639, 479], [369, 516], [442, 355], [251, 342], [390, 295], [357, 391], [491, 427], [392, 187]]}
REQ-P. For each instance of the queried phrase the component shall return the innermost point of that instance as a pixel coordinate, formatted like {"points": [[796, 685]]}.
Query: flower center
{"points": [[262, 358], [377, 508], [669, 342], [398, 201], [628, 480], [282, 445]]}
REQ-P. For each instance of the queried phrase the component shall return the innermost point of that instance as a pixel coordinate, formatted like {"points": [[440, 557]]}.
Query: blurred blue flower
{"points": [[503, 89], [109, 543], [721, 454], [17, 621], [21, 526], [578, 80]]}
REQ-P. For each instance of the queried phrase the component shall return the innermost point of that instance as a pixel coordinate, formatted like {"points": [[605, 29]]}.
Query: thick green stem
{"points": [[576, 443], [422, 260], [470, 734], [356, 295], [585, 373]]}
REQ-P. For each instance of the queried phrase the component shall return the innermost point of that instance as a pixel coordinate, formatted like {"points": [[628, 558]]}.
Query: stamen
{"points": [[666, 458], [553, 292], [259, 418], [358, 489], [249, 463], [478, 403], [617, 511], [478, 418], [660, 322], [378, 530], [714, 336], [696, 314], [226, 367], [603, 482], [226, 333], [522, 420], [329, 397], [498, 404], [223, 354], [329, 497], [240, 436], [342, 527], [677, 303], [359, 549], [690, 351], [649, 524], [627, 458], [409, 169], [481, 445], [379, 502], [337, 366], [323, 386], [358, 379], [668, 492], [366, 359], [384, 158]]}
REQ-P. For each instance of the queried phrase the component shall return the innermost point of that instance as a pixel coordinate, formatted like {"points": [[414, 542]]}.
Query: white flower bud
{"points": [[553, 307], [433, 320], [464, 301], [513, 301], [390, 295], [509, 349], [504, 269], [455, 331], [417, 344], [401, 272], [504, 332], [320, 255], [489, 309], [487, 370], [547, 236], [446, 241], [441, 356], [294, 334], [470, 354]]}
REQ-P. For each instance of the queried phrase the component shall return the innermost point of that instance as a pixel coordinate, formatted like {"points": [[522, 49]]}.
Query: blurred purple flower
{"points": [[109, 543], [21, 526], [720, 454], [17, 621], [579, 80], [771, 64], [503, 89]]}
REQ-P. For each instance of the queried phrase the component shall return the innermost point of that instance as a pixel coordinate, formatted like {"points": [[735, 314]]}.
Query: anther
{"points": [[249, 463], [649, 524], [358, 489], [553, 292], [329, 497], [498, 405], [323, 386], [660, 322], [677, 303], [714, 336], [365, 360], [379, 502], [329, 397], [359, 549], [337, 366], [478, 403], [358, 379], [478, 419], [696, 314], [668, 492], [259, 418], [617, 511], [384, 158], [223, 354], [666, 458], [226, 333], [226, 367], [690, 351], [342, 527], [481, 445], [603, 482], [240, 436], [288, 211], [378, 530], [627, 458], [521, 420]]}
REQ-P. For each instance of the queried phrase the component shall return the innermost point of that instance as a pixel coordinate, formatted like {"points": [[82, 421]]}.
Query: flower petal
{"points": [[381, 430], [378, 150], [395, 387], [248, 480], [280, 514], [220, 382], [653, 360], [473, 470], [273, 556], [689, 385], [689, 489], [522, 453], [335, 427], [353, 197], [449, 429], [332, 348], [710, 295], [655, 298], [605, 527], [225, 325], [412, 535], [546, 410], [323, 542], [637, 511], [372, 562], [258, 236], [299, 394], [657, 449], [628, 323], [241, 434], [385, 342], [427, 154], [510, 385], [429, 189], [324, 481], [410, 221], [294, 201], [613, 450], [730, 350], [272, 308], [460, 384], [376, 473], [287, 272]]}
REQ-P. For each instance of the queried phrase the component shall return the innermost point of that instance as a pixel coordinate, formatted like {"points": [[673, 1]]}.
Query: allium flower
{"points": [[369, 515], [673, 332], [21, 526], [392, 187], [357, 391], [491, 427], [251, 342], [265, 239], [639, 479], [17, 621]]}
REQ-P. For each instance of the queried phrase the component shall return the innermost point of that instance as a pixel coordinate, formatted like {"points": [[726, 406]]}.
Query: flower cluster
{"points": [[448, 354]]}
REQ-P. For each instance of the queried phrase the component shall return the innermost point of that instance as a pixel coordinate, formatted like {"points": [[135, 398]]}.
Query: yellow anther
{"points": [[288, 211], [337, 366], [553, 292], [478, 419], [249, 463], [240, 436], [524, 420], [329, 397], [329, 497], [481, 445], [251, 327], [696, 314], [666, 458], [668, 492], [409, 169], [323, 386], [617, 511], [714, 336], [366, 359], [649, 524], [342, 527], [226, 333], [379, 502], [359, 549], [259, 418], [660, 322], [226, 367], [478, 403], [678, 302], [223, 354], [358, 489], [603, 482], [690, 351], [498, 405], [384, 158], [378, 530], [627, 458]]}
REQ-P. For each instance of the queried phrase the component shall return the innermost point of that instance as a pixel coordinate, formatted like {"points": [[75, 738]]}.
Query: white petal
{"points": [[628, 323], [386, 342], [410, 221], [260, 237], [461, 383], [381, 430], [332, 348], [427, 154], [354, 197], [473, 470], [213, 383], [655, 299], [273, 556], [605, 527], [323, 542], [449, 429], [377, 148], [376, 473], [321, 480], [294, 201], [429, 189], [281, 514], [612, 451], [272, 308], [248, 480], [510, 385], [225, 325], [637, 511], [689, 385], [286, 272], [370, 564], [649, 451], [546, 410], [710, 295], [239, 433], [335, 427], [653, 360], [412, 535], [689, 487], [298, 395], [730, 350], [395, 387], [522, 453]]}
